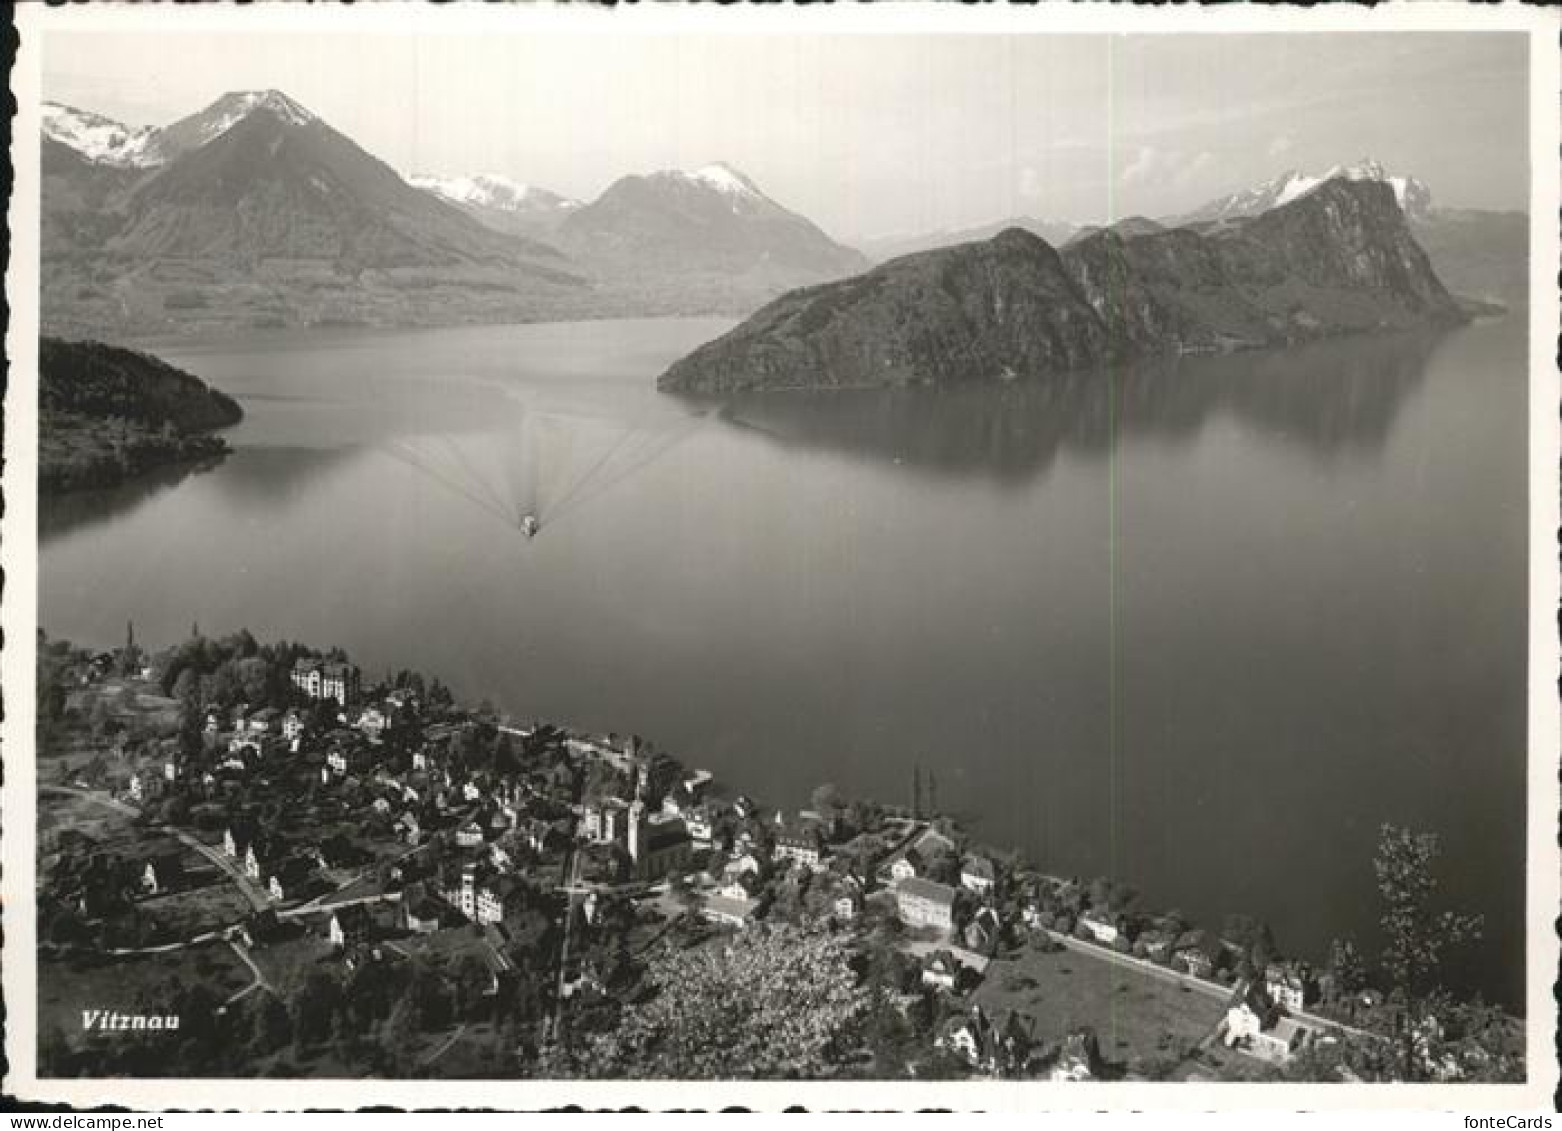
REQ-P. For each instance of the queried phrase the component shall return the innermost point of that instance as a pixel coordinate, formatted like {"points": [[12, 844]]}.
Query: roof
{"points": [[917, 887], [666, 835], [729, 908], [978, 866]]}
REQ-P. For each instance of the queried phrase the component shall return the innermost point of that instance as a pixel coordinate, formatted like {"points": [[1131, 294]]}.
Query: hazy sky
{"points": [[870, 135]]}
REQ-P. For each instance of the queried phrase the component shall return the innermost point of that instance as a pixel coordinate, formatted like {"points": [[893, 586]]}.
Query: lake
{"points": [[1201, 626]]}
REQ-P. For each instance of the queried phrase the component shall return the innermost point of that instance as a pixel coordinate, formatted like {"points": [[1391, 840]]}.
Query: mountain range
{"points": [[1480, 254], [1338, 259], [254, 211], [501, 203]]}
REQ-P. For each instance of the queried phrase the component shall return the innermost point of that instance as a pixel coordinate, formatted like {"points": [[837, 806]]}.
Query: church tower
{"points": [[636, 831]]}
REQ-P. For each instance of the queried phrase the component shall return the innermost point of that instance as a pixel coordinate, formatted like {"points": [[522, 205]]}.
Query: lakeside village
{"points": [[254, 862]]}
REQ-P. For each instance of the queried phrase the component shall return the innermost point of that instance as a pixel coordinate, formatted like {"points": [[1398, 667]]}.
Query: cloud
{"points": [[1151, 165], [1281, 145], [1142, 167]]}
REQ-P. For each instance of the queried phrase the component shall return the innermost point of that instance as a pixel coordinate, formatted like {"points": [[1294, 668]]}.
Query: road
{"points": [[1197, 985], [259, 983], [253, 895], [257, 899]]}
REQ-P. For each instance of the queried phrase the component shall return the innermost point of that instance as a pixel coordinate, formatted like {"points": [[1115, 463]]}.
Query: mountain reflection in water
{"points": [[1328, 398]]}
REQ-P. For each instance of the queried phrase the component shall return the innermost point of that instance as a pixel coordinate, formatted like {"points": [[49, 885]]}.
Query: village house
{"points": [[236, 839], [1079, 1060], [372, 722], [1099, 928], [982, 932], [701, 823], [924, 903], [322, 679], [1254, 1024], [144, 787], [423, 915], [163, 872], [602, 820], [262, 855], [470, 835], [1198, 952], [942, 971], [977, 875], [459, 888], [1290, 985], [351, 926], [293, 725], [498, 898], [679, 801], [847, 905], [290, 878], [749, 862], [265, 721], [996, 1049], [802, 844], [907, 865]]}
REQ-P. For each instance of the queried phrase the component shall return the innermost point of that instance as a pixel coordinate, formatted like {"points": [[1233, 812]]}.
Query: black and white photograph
{"points": [[643, 553]]}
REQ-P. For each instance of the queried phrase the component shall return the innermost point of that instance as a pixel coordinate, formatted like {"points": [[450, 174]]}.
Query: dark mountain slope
{"points": [[972, 312], [106, 414], [269, 187], [1338, 260]]}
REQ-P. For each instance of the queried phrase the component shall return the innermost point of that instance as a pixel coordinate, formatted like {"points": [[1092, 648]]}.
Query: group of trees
{"points": [[1421, 1031], [771, 1002]]}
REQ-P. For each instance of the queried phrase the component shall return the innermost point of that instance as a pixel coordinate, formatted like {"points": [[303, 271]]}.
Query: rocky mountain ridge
{"points": [[1340, 259]]}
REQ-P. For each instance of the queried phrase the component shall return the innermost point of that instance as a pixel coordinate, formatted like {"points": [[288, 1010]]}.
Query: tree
{"points": [[771, 1002], [272, 1027], [1347, 969], [1416, 937], [827, 800]]}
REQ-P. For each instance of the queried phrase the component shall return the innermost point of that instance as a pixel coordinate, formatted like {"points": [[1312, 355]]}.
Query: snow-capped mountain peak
{"points": [[239, 104], [100, 140], [106, 142], [492, 190], [724, 178], [1414, 198]]}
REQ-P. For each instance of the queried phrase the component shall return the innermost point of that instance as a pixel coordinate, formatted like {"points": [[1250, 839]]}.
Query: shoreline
{"points": [[962, 825]]}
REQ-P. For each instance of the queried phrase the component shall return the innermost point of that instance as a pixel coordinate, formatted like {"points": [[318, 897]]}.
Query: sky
{"points": [[871, 135]]}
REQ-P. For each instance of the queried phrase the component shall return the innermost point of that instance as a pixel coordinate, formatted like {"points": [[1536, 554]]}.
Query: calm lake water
{"points": [[1200, 626]]}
